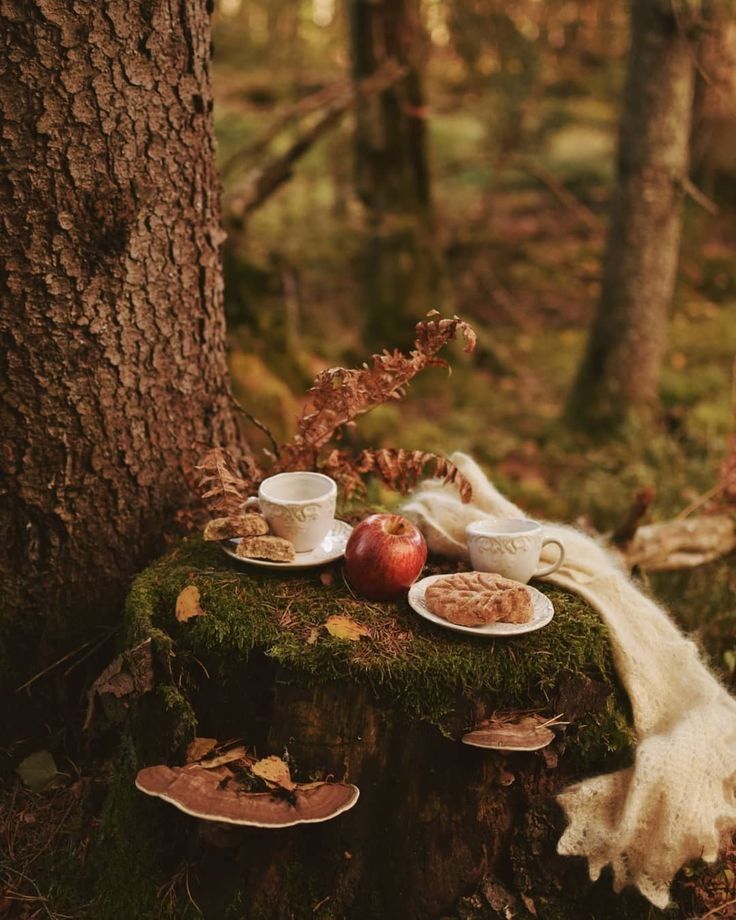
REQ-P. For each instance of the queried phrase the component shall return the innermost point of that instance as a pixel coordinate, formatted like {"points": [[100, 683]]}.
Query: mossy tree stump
{"points": [[386, 712]]}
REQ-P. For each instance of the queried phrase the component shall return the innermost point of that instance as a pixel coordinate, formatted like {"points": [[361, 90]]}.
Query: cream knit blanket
{"points": [[678, 799]]}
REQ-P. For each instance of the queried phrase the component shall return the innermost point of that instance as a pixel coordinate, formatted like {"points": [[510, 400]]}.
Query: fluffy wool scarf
{"points": [[677, 800]]}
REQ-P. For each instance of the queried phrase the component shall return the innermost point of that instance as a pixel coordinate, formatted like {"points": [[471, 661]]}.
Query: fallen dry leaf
{"points": [[199, 748], [236, 753], [344, 627], [313, 634], [273, 770], [126, 677], [37, 770], [187, 604]]}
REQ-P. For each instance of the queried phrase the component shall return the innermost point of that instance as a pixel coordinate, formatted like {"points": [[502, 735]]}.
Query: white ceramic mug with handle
{"points": [[299, 506], [511, 548]]}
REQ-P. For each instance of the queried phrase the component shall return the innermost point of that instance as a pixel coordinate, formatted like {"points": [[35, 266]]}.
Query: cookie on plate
{"points": [[275, 549], [237, 525], [479, 598]]}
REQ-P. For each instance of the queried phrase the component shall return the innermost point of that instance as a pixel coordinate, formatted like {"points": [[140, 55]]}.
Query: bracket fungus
{"points": [[215, 795], [510, 733]]}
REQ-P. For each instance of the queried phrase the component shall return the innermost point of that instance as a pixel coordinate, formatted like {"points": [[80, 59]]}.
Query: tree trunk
{"points": [[713, 147], [620, 369], [113, 377], [400, 270]]}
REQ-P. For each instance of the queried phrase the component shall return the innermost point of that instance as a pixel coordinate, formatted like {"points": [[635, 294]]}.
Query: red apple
{"points": [[384, 556]]}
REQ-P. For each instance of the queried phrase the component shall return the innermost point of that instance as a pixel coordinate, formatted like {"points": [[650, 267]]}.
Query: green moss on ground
{"points": [[420, 669]]}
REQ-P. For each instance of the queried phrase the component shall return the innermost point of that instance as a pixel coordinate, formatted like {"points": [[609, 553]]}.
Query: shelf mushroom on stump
{"points": [[215, 795], [513, 733]]}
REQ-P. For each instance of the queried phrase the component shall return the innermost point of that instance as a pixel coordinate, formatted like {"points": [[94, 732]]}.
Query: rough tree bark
{"points": [[400, 270], [619, 372], [113, 374]]}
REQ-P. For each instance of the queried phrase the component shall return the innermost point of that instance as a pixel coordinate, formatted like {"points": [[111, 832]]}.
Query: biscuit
{"points": [[274, 549], [237, 525]]}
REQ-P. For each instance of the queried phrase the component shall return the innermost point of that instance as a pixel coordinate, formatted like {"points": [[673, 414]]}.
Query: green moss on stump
{"points": [[421, 670]]}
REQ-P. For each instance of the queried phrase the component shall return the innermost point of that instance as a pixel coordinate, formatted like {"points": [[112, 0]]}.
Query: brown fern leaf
{"points": [[433, 335], [399, 469], [341, 465], [222, 487], [339, 395]]}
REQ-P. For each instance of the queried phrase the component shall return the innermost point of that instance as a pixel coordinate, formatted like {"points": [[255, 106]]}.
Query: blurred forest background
{"points": [[490, 198]]}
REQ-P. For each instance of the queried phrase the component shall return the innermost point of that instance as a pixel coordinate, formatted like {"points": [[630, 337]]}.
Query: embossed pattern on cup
{"points": [[510, 547], [299, 506]]}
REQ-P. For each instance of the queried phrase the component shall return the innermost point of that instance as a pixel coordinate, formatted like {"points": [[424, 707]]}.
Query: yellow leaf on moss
{"points": [[187, 604], [273, 770], [344, 627]]}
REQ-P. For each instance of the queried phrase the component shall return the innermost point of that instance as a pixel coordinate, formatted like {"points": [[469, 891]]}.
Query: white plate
{"points": [[543, 613], [331, 548]]}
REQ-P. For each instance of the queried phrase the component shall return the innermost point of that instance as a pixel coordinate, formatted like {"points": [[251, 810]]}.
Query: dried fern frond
{"points": [[434, 335], [399, 469], [341, 466], [339, 395], [221, 485]]}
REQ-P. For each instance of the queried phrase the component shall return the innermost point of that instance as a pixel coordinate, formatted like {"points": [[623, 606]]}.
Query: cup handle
{"points": [[555, 565], [251, 502]]}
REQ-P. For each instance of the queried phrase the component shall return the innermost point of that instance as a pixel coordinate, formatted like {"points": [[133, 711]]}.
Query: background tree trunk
{"points": [[713, 150], [620, 368], [113, 375], [400, 271]]}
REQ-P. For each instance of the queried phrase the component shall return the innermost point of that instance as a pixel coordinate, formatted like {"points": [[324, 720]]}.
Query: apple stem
{"points": [[395, 526]]}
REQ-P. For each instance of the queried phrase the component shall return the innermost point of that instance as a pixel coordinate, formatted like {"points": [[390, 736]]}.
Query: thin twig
{"points": [[258, 424], [189, 893], [555, 720], [89, 652], [39, 898], [699, 197], [52, 836], [51, 667], [716, 910], [311, 103], [269, 176], [700, 501], [563, 195]]}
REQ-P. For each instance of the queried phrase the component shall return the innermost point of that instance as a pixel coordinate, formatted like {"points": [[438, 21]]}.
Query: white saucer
{"points": [[543, 613], [331, 548]]}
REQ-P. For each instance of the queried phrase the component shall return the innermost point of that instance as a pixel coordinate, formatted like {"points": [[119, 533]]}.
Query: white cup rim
{"points": [[506, 527], [330, 487]]}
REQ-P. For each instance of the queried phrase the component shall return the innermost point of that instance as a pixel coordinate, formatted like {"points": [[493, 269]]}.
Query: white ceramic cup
{"points": [[300, 507], [510, 547]]}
